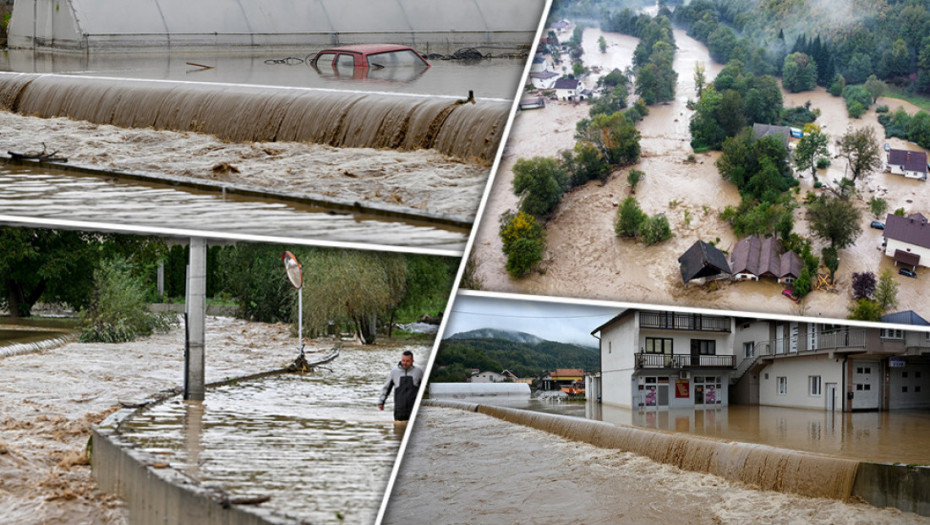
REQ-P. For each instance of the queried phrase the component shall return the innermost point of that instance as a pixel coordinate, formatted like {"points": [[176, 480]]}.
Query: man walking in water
{"points": [[405, 379]]}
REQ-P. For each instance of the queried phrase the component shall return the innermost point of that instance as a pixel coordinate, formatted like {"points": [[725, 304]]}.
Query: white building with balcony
{"points": [[665, 359]]}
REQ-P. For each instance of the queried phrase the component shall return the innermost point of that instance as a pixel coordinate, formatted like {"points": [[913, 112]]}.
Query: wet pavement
{"points": [[326, 450]]}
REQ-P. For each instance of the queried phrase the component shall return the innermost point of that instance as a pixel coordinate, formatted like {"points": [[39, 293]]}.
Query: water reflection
{"points": [[315, 443], [494, 78], [891, 436]]}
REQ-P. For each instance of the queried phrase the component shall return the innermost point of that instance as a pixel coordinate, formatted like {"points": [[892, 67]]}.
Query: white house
{"points": [[538, 65], [911, 164], [568, 89], [488, 376], [907, 240], [830, 367], [544, 79], [665, 359], [656, 359]]}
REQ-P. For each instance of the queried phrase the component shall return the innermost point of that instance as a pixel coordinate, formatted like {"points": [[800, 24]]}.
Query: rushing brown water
{"points": [[261, 113], [548, 479]]}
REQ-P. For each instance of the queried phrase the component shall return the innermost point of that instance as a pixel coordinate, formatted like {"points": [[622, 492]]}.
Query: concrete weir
{"points": [[768, 468], [154, 492], [244, 113]]}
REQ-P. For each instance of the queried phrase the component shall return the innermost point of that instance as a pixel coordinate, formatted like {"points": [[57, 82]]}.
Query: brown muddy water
{"points": [[50, 194], [585, 259], [316, 443], [444, 476]]}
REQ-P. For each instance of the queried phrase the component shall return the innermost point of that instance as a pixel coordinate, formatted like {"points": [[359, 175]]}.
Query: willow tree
{"points": [[351, 288]]}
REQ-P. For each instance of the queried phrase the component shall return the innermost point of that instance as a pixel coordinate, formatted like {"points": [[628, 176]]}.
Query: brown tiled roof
{"points": [[569, 372], [912, 230], [764, 257], [911, 160]]}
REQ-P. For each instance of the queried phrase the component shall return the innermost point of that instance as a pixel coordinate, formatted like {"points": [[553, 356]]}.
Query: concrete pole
{"points": [[194, 384], [161, 280]]}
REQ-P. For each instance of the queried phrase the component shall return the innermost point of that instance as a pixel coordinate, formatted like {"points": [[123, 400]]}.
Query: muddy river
{"points": [[585, 259], [316, 443], [549, 479]]}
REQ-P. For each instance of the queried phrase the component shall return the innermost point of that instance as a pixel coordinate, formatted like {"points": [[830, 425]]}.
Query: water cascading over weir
{"points": [[244, 113]]}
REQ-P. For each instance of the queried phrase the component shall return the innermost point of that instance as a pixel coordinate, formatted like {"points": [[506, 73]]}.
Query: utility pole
{"points": [[195, 314]]}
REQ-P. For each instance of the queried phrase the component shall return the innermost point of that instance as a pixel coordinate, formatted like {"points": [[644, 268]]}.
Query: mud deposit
{"points": [[549, 479], [50, 400], [584, 258]]}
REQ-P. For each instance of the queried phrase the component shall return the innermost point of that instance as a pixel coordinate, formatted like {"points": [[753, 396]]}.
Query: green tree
{"points": [[812, 146], [861, 150], [579, 69], [602, 44], [699, 78], [918, 129], [630, 218], [655, 229], [615, 136], [799, 73], [540, 183], [802, 285], [524, 241], [50, 265], [865, 310], [585, 163], [831, 260], [878, 206], [633, 178], [886, 292], [835, 220], [875, 87]]}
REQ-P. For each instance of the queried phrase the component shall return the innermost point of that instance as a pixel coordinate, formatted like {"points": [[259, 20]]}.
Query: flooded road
{"points": [[50, 400], [585, 259], [550, 479], [49, 194], [317, 444]]}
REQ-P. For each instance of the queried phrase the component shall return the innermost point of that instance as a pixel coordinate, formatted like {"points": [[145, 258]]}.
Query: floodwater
{"points": [[490, 78], [315, 443], [262, 124], [546, 479], [891, 436], [51, 399], [585, 259], [50, 194]]}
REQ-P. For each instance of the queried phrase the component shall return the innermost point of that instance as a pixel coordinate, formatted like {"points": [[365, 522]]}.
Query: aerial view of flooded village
{"points": [[694, 155]]}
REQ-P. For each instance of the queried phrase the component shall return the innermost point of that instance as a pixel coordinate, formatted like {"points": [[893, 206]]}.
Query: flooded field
{"points": [[550, 479], [316, 444], [49, 194], [585, 259]]}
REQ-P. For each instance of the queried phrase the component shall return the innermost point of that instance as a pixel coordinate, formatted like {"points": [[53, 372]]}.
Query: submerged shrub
{"points": [[117, 311]]}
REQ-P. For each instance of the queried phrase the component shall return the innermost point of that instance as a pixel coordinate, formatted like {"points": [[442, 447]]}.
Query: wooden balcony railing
{"points": [[676, 361], [680, 321]]}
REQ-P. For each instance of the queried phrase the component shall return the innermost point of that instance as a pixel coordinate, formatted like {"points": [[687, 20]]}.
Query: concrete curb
{"points": [[154, 492], [38, 346]]}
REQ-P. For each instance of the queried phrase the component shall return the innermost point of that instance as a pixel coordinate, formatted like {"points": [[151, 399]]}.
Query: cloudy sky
{"points": [[567, 323]]}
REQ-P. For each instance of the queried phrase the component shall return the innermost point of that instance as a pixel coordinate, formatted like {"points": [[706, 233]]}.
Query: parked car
{"points": [[366, 61], [878, 225], [909, 273], [790, 295]]}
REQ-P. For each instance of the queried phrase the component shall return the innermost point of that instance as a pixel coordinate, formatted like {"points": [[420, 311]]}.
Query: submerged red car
{"points": [[349, 61]]}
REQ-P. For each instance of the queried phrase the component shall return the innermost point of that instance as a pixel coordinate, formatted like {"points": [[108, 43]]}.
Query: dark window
{"points": [[658, 345], [903, 374], [703, 347], [904, 389], [867, 386], [917, 388]]}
